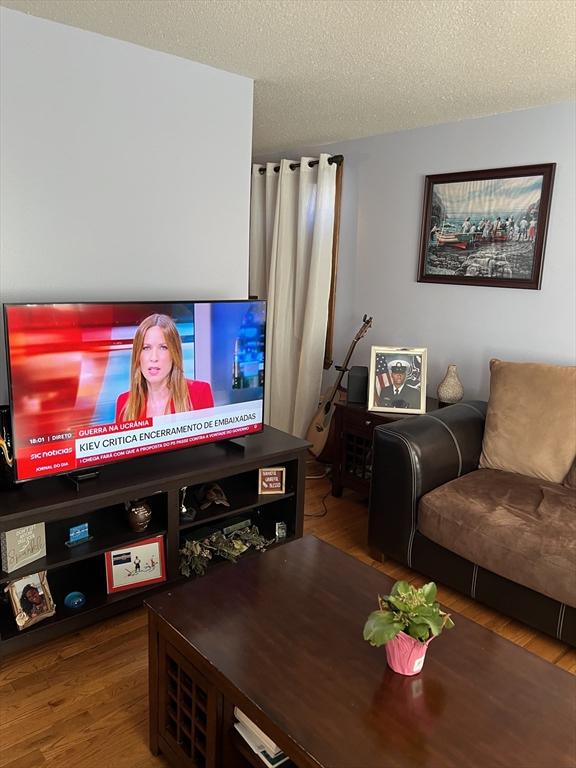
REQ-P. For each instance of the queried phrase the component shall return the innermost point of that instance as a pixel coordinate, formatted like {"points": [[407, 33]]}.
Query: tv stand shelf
{"points": [[157, 480]]}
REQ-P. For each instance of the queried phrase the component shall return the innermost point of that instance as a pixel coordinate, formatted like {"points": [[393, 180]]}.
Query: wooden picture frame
{"points": [[486, 227], [139, 564], [271, 480], [30, 599], [397, 380]]}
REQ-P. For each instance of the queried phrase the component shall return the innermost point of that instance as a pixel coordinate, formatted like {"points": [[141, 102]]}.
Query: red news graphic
{"points": [[92, 446], [49, 454]]}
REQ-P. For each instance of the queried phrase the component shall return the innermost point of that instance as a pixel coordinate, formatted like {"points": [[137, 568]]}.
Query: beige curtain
{"points": [[291, 233]]}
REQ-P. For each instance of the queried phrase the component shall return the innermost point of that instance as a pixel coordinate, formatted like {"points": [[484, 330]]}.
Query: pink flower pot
{"points": [[406, 655]]}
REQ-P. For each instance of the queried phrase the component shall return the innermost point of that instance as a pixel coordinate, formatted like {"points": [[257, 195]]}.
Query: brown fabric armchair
{"points": [[505, 539]]}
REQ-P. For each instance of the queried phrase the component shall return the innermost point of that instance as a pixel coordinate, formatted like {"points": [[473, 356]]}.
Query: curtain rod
{"points": [[334, 160]]}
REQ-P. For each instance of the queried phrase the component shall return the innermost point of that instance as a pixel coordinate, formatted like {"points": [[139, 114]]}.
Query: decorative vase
{"points": [[139, 514], [75, 600], [405, 655], [450, 389]]}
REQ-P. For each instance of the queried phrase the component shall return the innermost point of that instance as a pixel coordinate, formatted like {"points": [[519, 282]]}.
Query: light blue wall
{"points": [[380, 229], [125, 172]]}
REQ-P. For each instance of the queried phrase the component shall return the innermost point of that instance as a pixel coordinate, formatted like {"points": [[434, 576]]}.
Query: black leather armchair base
{"points": [[411, 458]]}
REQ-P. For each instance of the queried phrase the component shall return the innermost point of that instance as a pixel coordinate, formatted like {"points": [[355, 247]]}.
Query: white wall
{"points": [[125, 171], [381, 213]]}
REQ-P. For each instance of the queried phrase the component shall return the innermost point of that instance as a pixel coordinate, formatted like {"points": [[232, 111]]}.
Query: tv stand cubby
{"points": [[158, 481]]}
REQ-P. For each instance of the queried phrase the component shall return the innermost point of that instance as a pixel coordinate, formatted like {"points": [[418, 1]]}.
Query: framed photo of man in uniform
{"points": [[397, 381]]}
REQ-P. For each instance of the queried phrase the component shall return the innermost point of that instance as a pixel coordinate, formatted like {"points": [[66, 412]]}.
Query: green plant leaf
{"points": [[380, 628], [447, 622], [429, 591], [401, 588], [398, 603], [419, 631], [409, 609], [436, 624]]}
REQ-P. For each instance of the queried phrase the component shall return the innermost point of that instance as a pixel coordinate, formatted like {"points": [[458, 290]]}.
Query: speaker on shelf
{"points": [[358, 385]]}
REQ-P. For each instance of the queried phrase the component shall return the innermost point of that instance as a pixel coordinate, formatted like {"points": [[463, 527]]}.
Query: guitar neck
{"points": [[348, 356], [343, 370], [344, 367]]}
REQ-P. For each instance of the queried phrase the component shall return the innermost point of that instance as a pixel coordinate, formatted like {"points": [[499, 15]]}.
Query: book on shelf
{"points": [[256, 746], [21, 546], [265, 740]]}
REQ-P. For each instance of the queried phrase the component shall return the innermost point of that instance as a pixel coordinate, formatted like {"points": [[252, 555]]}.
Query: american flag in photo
{"points": [[382, 375]]}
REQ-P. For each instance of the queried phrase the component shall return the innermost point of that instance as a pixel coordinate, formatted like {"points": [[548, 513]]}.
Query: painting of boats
{"points": [[486, 227], [447, 237]]}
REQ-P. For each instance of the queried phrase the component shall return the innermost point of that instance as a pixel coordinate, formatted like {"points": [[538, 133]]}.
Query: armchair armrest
{"points": [[412, 457]]}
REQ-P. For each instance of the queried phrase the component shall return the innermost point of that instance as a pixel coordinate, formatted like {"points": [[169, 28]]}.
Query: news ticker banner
{"points": [[104, 443]]}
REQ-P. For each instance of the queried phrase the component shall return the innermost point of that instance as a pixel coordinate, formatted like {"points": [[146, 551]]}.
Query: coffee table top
{"points": [[285, 629]]}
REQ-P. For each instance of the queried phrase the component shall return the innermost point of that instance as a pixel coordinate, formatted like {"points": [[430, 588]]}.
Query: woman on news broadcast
{"points": [[157, 382]]}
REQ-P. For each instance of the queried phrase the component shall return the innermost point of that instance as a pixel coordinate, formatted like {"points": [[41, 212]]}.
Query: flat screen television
{"points": [[94, 383]]}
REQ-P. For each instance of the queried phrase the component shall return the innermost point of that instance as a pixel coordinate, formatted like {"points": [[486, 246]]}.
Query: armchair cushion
{"points": [[531, 420], [570, 479], [519, 527]]}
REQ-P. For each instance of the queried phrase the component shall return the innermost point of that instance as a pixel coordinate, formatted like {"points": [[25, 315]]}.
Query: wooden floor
{"points": [[81, 701]]}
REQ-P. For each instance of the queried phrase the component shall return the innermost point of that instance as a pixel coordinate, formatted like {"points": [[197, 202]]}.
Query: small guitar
{"points": [[317, 433]]}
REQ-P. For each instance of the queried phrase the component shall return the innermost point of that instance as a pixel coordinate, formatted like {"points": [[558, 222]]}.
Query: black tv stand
{"points": [[234, 444], [156, 480], [76, 478]]}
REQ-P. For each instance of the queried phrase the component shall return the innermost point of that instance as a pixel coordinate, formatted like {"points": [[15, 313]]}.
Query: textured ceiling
{"points": [[327, 70]]}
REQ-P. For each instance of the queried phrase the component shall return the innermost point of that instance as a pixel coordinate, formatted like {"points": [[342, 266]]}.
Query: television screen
{"points": [[97, 383]]}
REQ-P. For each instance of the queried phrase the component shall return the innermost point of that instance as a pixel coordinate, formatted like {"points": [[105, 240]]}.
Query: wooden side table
{"points": [[354, 426]]}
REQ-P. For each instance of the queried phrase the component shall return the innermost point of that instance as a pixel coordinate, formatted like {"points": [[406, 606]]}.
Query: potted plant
{"points": [[407, 620]]}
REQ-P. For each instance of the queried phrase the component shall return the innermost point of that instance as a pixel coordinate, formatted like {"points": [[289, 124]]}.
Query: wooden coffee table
{"points": [[280, 636]]}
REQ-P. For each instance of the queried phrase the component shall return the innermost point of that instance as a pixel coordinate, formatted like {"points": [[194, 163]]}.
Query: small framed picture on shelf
{"points": [[397, 381], [136, 565], [78, 534], [272, 480], [30, 599], [22, 546]]}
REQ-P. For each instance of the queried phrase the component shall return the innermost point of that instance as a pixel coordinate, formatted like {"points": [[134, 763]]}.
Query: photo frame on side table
{"points": [[486, 227], [136, 565], [397, 380], [30, 599]]}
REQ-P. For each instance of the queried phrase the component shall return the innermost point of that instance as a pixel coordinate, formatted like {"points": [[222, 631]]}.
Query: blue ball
{"points": [[74, 600]]}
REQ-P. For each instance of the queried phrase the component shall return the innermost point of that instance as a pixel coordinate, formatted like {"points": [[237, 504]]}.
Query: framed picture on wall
{"points": [[397, 380], [486, 227]]}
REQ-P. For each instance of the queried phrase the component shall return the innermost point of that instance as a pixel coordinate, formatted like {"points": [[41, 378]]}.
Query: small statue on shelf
{"points": [[209, 494], [203, 496], [187, 514]]}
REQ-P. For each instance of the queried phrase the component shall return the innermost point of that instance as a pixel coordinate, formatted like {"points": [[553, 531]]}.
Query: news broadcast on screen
{"points": [[94, 383]]}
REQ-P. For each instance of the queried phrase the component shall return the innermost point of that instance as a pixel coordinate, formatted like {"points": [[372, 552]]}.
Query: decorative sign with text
{"points": [[272, 480], [79, 534], [21, 546]]}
